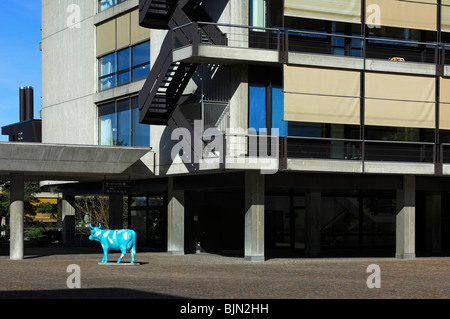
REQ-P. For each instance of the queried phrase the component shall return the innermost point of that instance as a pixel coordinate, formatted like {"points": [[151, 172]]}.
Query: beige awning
{"points": [[322, 95], [399, 100], [332, 10], [421, 14]]}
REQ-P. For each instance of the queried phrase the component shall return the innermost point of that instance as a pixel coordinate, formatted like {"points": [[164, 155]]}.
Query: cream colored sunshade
{"points": [[445, 16], [399, 100], [123, 31], [138, 33], [119, 33], [321, 95], [332, 10], [421, 15], [444, 105], [106, 38]]}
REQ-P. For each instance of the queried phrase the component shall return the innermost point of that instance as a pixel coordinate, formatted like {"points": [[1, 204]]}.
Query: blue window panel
{"points": [[141, 132], [123, 123], [278, 112], [257, 108]]}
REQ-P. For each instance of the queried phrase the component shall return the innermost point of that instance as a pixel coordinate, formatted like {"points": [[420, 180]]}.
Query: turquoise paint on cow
{"points": [[123, 240]]}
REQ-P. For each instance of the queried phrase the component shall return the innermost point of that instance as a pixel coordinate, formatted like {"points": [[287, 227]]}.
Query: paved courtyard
{"points": [[43, 274]]}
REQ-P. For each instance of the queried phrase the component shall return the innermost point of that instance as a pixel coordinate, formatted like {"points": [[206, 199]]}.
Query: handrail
{"points": [[226, 25]]}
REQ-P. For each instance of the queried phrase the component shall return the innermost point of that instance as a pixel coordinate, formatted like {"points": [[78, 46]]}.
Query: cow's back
{"points": [[114, 239]]}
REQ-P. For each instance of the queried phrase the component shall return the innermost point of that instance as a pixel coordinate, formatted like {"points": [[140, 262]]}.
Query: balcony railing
{"points": [[362, 150], [285, 40], [283, 148]]}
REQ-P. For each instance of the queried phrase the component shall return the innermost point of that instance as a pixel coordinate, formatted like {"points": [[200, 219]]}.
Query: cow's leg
{"points": [[123, 250], [105, 254], [133, 251]]}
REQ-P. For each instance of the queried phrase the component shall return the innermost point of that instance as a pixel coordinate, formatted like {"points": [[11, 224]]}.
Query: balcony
{"points": [[272, 153], [271, 45]]}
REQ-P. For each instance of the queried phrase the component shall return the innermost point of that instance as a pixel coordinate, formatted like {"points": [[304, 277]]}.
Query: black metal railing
{"points": [[286, 40], [262, 146], [323, 148], [362, 150]]}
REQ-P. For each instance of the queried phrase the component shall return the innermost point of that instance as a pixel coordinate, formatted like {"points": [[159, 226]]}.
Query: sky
{"points": [[20, 57]]}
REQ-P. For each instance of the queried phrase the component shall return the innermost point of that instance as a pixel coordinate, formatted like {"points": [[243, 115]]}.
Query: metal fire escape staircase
{"points": [[163, 90]]}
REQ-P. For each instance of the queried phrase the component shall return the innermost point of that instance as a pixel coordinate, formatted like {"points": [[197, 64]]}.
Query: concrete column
{"points": [[405, 241], [313, 223], [115, 212], [254, 216], [68, 220], [433, 222], [16, 212], [175, 220]]}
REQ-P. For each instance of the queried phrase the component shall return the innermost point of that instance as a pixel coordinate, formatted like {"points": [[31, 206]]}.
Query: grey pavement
{"points": [[44, 273]]}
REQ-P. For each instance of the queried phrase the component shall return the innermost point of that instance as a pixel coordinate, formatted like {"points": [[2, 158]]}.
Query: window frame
{"points": [[117, 72], [115, 3], [116, 129]]}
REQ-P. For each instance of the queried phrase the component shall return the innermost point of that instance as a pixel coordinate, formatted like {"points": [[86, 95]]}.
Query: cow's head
{"points": [[95, 232]]}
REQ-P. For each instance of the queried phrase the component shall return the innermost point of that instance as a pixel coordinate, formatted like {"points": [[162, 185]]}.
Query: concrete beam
{"points": [[254, 216], [16, 214], [71, 160], [405, 237]]}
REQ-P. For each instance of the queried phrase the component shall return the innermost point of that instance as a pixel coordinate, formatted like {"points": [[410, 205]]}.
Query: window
{"points": [[124, 66], [119, 125], [141, 61], [106, 4], [107, 71]]}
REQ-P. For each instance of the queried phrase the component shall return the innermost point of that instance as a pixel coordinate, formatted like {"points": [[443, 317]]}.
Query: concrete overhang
{"points": [[75, 162], [348, 166], [225, 55]]}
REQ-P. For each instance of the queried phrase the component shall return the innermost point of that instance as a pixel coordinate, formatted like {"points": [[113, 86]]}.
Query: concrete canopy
{"points": [[74, 162], [33, 161]]}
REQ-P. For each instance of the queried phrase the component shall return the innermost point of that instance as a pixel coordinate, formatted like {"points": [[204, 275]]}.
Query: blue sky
{"points": [[20, 58]]}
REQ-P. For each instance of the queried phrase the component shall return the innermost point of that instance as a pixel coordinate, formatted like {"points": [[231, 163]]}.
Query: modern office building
{"points": [[306, 127]]}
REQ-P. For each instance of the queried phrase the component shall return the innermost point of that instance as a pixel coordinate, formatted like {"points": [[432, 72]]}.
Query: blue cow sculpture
{"points": [[119, 239]]}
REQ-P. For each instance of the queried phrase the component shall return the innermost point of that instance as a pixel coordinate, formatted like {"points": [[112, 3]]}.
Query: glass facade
{"points": [[106, 4], [147, 218], [119, 125], [124, 66]]}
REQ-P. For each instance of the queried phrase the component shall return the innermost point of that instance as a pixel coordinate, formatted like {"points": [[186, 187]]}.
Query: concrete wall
{"points": [[68, 72], [223, 11]]}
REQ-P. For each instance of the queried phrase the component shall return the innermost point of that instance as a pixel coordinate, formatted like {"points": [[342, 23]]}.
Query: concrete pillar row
{"points": [[254, 216], [175, 220], [405, 221], [16, 215]]}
